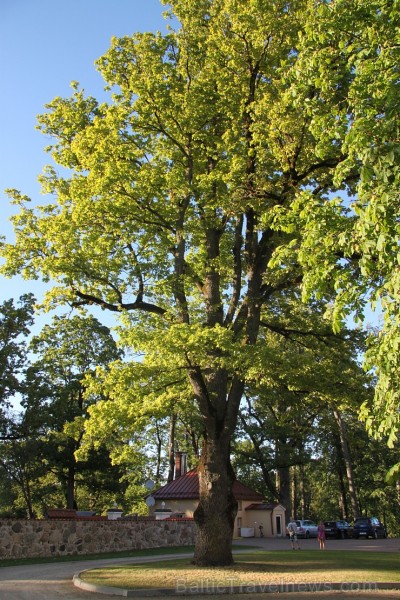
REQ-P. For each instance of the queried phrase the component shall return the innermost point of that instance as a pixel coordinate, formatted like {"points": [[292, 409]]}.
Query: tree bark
{"points": [[171, 448], [70, 483], [343, 506], [216, 512], [217, 508], [159, 446], [26, 491], [340, 468], [283, 488], [293, 495], [302, 492], [348, 462], [283, 479]]}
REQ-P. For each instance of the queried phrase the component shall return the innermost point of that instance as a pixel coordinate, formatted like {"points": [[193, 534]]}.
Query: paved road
{"points": [[54, 581], [389, 545]]}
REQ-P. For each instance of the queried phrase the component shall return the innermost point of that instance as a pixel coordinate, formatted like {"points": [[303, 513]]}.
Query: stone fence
{"points": [[57, 537]]}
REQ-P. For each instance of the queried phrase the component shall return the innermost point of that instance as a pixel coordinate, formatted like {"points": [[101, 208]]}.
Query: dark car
{"points": [[369, 527], [338, 529]]}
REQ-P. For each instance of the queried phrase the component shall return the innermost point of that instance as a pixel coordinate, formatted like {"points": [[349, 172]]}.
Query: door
{"points": [[239, 525], [278, 525]]}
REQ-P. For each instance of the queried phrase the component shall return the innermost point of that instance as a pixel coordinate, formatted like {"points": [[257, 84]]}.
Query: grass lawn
{"points": [[283, 567], [14, 562]]}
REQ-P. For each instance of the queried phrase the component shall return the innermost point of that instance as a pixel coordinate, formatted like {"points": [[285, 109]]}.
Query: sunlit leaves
{"points": [[350, 54], [252, 149]]}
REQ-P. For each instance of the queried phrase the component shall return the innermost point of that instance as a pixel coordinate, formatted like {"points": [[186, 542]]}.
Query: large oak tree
{"points": [[182, 202]]}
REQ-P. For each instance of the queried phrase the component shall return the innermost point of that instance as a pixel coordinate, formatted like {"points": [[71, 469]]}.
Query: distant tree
{"points": [[66, 351], [15, 321], [371, 460], [311, 372], [21, 463]]}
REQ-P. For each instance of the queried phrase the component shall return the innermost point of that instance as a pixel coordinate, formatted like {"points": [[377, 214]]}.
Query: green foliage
{"points": [[362, 40], [14, 329]]}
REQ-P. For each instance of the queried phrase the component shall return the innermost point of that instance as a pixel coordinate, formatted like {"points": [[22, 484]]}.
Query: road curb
{"points": [[214, 589]]}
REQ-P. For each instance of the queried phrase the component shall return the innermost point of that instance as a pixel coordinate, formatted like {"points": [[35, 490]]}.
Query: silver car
{"points": [[306, 529]]}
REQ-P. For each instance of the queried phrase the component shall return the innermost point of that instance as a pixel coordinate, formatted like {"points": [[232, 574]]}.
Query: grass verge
{"points": [[256, 568], [14, 562]]}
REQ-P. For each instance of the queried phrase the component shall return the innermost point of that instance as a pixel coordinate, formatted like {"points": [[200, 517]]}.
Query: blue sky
{"points": [[44, 45]]}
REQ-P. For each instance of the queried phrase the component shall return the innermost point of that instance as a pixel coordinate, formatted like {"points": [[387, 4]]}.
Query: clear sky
{"points": [[44, 45]]}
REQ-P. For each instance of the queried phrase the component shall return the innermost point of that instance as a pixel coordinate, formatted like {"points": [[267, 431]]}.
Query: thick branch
{"points": [[137, 305], [287, 332]]}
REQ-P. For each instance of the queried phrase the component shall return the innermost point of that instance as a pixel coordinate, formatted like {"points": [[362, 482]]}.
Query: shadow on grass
{"points": [[257, 568], [289, 561]]}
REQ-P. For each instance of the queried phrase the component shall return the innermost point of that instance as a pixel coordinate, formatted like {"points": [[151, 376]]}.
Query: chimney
{"points": [[183, 463], [178, 464]]}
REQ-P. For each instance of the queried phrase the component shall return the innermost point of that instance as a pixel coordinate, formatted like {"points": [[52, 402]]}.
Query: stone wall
{"points": [[53, 537]]}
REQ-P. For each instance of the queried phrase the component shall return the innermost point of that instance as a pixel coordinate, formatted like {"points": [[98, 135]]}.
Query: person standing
{"points": [[321, 535], [292, 531]]}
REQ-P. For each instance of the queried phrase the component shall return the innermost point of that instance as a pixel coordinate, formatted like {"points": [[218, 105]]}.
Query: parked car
{"points": [[338, 529], [306, 529], [369, 527]]}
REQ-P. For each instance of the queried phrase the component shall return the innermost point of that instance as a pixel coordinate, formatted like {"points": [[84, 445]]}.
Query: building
{"points": [[269, 515], [180, 497]]}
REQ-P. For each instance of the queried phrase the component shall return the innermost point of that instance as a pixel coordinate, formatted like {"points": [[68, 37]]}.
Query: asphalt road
{"points": [[54, 581]]}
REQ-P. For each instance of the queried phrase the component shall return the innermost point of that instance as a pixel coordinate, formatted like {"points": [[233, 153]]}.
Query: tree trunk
{"points": [[217, 508], [293, 495], [348, 462], [302, 493], [26, 490], [340, 468], [282, 463], [70, 495], [159, 446], [283, 488], [343, 507], [171, 448], [216, 512], [71, 470]]}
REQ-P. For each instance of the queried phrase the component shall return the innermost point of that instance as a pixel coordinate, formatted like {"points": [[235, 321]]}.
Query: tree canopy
{"points": [[219, 177], [364, 37]]}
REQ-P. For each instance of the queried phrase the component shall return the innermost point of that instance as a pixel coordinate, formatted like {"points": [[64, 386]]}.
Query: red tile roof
{"points": [[261, 506], [187, 487], [242, 492], [61, 513]]}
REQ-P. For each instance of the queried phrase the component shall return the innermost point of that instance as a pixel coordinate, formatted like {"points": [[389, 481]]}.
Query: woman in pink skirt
{"points": [[321, 536]]}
